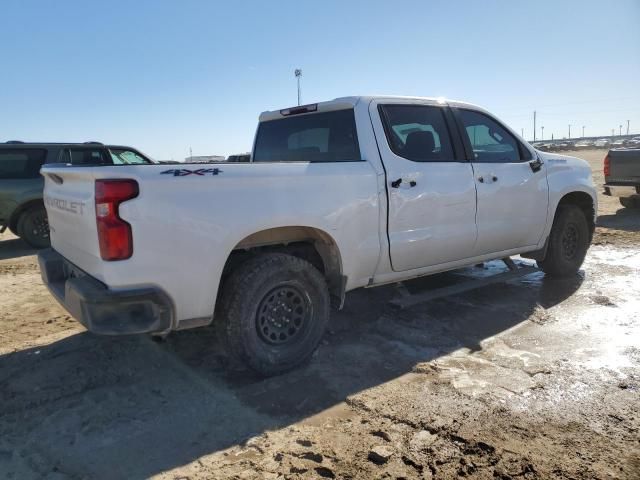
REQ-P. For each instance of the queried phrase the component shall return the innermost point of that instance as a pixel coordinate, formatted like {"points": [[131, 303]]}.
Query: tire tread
{"points": [[242, 281]]}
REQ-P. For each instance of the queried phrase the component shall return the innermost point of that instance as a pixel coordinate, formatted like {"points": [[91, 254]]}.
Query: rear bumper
{"points": [[621, 190], [100, 310]]}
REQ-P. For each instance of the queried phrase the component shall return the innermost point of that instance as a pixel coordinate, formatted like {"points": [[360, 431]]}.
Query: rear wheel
{"points": [[568, 242], [276, 308], [33, 227], [630, 202]]}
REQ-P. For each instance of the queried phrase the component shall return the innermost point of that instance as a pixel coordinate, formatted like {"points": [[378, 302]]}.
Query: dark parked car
{"points": [[622, 176], [240, 157], [21, 206]]}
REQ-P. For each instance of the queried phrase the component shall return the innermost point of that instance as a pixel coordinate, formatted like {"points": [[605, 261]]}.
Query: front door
{"points": [[430, 185], [512, 185]]}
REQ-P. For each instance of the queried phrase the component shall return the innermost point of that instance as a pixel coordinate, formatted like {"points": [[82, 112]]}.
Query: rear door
{"points": [[512, 185], [430, 185]]}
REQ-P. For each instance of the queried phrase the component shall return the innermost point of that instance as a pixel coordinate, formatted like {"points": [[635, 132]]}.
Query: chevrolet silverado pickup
{"points": [[349, 193], [622, 176]]}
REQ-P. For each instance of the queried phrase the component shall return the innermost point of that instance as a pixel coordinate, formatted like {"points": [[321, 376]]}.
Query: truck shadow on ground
{"points": [[624, 219], [98, 407], [14, 248]]}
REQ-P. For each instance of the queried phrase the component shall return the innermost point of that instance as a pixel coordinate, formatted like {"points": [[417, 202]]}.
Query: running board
{"points": [[408, 299]]}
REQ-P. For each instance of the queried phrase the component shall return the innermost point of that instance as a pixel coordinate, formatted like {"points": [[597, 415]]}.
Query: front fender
{"points": [[567, 175]]}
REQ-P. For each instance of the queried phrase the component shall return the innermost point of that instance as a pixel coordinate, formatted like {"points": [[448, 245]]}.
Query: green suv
{"points": [[21, 207]]}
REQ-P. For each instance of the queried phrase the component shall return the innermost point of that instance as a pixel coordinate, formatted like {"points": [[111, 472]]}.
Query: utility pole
{"points": [[620, 130], [534, 125], [627, 127], [298, 74], [569, 131], [542, 134]]}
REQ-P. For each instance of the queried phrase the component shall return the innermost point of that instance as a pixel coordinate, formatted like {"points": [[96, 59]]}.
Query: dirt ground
{"points": [[533, 379]]}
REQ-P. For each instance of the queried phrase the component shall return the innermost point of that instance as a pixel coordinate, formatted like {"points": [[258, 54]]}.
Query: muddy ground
{"points": [[534, 379]]}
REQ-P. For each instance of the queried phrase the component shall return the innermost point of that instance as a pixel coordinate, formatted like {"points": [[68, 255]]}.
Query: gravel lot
{"points": [[534, 379]]}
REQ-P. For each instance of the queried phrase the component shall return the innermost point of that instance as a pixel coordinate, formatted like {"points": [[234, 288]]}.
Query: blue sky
{"points": [[165, 76]]}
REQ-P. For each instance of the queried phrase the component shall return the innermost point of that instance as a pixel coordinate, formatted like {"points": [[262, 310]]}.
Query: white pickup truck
{"points": [[354, 192]]}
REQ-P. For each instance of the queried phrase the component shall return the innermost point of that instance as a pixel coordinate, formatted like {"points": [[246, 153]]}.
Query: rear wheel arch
{"points": [[309, 243]]}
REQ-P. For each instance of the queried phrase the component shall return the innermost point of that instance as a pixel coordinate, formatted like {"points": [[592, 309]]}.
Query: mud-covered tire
{"points": [[630, 202], [568, 242], [33, 227], [275, 308]]}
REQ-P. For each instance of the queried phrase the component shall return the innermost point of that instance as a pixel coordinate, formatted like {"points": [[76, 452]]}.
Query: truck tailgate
{"points": [[69, 199], [624, 166]]}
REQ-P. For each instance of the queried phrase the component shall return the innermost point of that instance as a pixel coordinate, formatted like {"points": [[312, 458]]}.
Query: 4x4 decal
{"points": [[182, 172]]}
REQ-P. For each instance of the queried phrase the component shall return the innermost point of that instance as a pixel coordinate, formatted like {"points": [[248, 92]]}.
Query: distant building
{"points": [[205, 159]]}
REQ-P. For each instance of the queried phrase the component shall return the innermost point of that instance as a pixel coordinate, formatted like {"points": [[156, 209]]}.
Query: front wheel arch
{"points": [[568, 242], [585, 202]]}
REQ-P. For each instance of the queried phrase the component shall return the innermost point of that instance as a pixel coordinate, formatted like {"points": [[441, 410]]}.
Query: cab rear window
{"points": [[319, 137], [21, 162]]}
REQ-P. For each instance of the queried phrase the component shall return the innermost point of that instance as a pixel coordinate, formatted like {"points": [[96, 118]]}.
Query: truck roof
{"points": [[21, 144], [342, 103]]}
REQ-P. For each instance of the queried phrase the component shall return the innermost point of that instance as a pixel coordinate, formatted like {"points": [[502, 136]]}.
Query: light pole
{"points": [[542, 134], [569, 131], [582, 131], [620, 130], [298, 74], [627, 127]]}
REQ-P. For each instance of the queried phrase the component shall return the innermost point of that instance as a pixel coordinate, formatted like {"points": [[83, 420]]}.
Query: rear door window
{"points": [[417, 132], [87, 156], [21, 162], [319, 137]]}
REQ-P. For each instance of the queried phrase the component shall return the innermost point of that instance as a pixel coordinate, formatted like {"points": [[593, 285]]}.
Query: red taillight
{"points": [[114, 234], [607, 166]]}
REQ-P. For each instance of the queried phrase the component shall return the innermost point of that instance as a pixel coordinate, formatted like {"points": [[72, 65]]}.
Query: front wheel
{"points": [[568, 242], [275, 308], [33, 227]]}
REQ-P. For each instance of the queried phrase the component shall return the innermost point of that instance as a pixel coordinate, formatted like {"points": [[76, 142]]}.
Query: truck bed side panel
{"points": [[185, 225]]}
